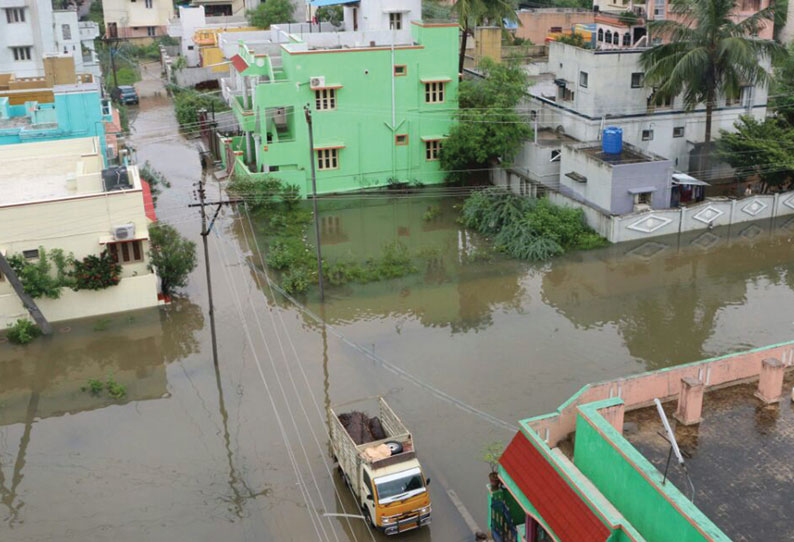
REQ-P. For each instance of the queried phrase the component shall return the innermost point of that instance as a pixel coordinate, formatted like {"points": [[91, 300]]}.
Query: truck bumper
{"points": [[407, 524]]}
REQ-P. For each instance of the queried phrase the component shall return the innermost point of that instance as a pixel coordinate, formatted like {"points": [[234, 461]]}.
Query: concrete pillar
{"points": [[690, 401], [770, 384], [614, 415]]}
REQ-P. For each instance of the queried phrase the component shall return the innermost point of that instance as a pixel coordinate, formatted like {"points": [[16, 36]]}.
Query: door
{"points": [[355, 19]]}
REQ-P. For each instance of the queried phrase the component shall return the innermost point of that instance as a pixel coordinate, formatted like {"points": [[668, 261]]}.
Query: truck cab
{"points": [[396, 498]]}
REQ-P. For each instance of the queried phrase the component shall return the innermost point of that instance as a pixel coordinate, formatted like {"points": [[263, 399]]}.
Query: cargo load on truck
{"points": [[378, 461]]}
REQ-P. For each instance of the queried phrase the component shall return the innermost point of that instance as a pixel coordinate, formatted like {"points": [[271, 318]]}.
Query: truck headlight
{"points": [[424, 511], [387, 521]]}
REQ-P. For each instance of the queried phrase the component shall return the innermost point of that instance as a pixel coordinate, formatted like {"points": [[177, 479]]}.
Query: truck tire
{"points": [[368, 518], [394, 446]]}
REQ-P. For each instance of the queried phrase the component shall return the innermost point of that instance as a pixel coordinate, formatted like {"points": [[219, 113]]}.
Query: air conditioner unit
{"points": [[317, 82], [124, 232], [280, 117]]}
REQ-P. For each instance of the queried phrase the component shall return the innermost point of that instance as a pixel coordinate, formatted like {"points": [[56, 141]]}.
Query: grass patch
{"points": [[528, 229], [279, 213], [110, 386]]}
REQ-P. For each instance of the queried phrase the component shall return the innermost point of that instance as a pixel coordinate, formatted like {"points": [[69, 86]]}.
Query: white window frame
{"points": [[639, 196], [680, 133], [435, 92], [22, 53], [584, 79], [151, 31], [123, 252], [325, 99], [15, 15], [66, 32], [327, 159], [149, 4], [650, 135]]}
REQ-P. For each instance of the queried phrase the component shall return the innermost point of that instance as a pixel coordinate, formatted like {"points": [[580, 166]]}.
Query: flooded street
{"points": [[461, 349]]}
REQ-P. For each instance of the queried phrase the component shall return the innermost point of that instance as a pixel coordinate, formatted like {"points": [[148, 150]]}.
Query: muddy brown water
{"points": [[462, 349]]}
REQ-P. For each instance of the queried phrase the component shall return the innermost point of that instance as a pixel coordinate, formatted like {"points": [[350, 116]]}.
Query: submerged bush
{"points": [[23, 331], [528, 229]]}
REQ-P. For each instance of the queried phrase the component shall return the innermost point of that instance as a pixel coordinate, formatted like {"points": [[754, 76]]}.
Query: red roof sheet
{"points": [[239, 63], [558, 504], [148, 201]]}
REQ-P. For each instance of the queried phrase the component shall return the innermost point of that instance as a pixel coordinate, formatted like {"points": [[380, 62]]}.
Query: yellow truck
{"points": [[377, 458]]}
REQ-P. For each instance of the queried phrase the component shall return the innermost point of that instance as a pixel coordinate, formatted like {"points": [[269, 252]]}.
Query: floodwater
{"points": [[461, 349]]}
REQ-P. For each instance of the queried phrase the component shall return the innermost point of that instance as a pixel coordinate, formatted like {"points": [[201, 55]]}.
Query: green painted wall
{"points": [[622, 475], [362, 120]]}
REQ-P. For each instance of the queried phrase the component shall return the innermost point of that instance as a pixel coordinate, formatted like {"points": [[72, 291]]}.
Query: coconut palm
{"points": [[707, 53], [472, 13]]}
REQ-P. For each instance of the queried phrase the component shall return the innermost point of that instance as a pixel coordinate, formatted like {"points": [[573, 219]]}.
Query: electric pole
{"points": [[308, 112], [205, 231], [111, 41]]}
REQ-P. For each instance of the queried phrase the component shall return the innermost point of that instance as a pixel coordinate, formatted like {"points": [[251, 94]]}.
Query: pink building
{"points": [[537, 24]]}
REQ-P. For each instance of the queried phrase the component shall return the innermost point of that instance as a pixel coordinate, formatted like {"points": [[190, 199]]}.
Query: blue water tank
{"points": [[612, 140]]}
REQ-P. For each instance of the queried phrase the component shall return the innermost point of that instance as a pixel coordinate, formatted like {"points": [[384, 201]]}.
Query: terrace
{"points": [[738, 457]]}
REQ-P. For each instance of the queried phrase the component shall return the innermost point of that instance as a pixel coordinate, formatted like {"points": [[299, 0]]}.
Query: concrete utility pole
{"points": [[307, 110], [27, 301], [111, 41], [205, 231]]}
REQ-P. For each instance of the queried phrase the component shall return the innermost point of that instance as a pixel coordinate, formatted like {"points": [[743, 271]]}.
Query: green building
{"points": [[381, 105], [601, 468]]}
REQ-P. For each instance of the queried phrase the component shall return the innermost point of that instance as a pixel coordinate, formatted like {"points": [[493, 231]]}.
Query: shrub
{"points": [[96, 272], [297, 280], [187, 103], [23, 331], [171, 256], [528, 229], [36, 278]]}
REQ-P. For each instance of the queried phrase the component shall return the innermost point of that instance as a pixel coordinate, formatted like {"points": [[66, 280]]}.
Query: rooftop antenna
{"points": [[673, 448]]}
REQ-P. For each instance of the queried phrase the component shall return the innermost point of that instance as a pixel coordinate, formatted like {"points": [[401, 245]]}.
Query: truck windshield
{"points": [[398, 486]]}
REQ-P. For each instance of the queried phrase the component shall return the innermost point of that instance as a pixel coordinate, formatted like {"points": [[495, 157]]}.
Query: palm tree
{"points": [[707, 53], [472, 13]]}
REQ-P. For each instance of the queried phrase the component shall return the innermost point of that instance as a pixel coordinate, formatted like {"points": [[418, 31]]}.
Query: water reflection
{"points": [[47, 378], [664, 295]]}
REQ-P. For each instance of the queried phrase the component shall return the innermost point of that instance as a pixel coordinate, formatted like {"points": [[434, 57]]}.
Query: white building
{"points": [[54, 195], [368, 15], [588, 89], [89, 31], [193, 18], [31, 29]]}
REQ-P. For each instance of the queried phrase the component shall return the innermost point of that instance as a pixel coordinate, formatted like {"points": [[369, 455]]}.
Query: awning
{"points": [[683, 178], [148, 201], [329, 145], [642, 190], [323, 3], [433, 137], [436, 79]]}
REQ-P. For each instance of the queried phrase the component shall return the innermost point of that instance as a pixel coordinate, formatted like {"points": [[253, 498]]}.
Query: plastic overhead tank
{"points": [[612, 140]]}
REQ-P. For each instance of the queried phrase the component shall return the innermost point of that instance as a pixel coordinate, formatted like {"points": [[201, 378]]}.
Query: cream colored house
{"points": [[54, 195], [139, 20]]}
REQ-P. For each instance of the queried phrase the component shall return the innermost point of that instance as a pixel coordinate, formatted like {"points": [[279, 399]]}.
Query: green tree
{"points": [[171, 256], [271, 12], [705, 54], [488, 127], [761, 148], [473, 13], [330, 14], [781, 92]]}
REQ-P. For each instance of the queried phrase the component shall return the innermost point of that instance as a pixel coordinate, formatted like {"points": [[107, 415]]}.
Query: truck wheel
{"points": [[367, 517]]}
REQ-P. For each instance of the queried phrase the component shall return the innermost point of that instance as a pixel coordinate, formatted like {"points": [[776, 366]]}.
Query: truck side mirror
{"points": [[427, 482], [369, 497]]}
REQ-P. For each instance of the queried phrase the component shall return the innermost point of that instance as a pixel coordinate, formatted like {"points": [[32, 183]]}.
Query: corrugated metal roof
{"points": [[566, 514], [148, 201]]}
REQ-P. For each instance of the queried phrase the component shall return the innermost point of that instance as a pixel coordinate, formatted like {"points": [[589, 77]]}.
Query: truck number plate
{"points": [[407, 526]]}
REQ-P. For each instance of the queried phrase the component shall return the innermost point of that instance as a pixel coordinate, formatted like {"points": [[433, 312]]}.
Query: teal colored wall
{"points": [[362, 120], [77, 114], [624, 481]]}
